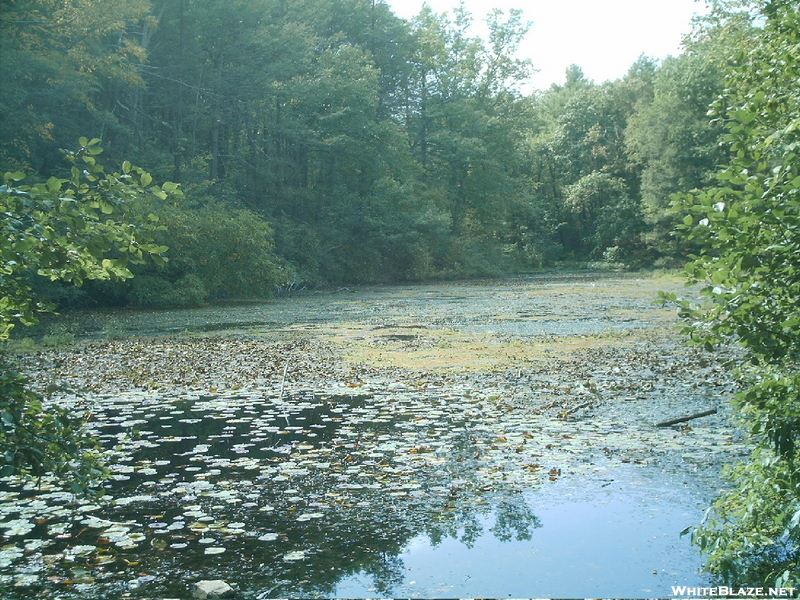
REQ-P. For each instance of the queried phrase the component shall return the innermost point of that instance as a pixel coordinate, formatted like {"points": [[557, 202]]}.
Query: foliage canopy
{"points": [[70, 229], [373, 148], [748, 229]]}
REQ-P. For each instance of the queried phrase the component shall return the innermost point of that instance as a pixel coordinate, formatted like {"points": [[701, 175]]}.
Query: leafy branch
{"points": [[71, 229]]}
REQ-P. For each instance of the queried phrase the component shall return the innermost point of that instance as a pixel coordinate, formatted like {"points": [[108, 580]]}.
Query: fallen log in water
{"points": [[705, 413]]}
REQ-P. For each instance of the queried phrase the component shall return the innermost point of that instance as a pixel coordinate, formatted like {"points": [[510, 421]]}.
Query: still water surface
{"points": [[588, 543], [354, 497]]}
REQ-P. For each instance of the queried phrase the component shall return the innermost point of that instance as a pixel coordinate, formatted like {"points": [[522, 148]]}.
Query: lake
{"points": [[465, 439]]}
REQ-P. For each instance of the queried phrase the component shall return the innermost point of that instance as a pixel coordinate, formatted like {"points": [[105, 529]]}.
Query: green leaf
{"points": [[8, 421], [54, 184], [15, 176], [24, 245]]}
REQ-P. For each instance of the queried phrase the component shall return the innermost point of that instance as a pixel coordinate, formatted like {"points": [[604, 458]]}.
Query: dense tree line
{"points": [[330, 141]]}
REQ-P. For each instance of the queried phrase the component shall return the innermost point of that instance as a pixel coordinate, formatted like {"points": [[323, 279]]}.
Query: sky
{"points": [[603, 37]]}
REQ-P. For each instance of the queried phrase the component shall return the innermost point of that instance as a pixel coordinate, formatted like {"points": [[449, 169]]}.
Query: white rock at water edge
{"points": [[212, 589]]}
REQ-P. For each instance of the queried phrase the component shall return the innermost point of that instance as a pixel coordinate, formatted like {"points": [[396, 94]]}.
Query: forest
{"points": [[330, 142], [175, 153]]}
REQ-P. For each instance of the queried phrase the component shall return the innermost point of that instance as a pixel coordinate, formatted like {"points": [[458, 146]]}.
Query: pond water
{"points": [[588, 543], [546, 304], [411, 484]]}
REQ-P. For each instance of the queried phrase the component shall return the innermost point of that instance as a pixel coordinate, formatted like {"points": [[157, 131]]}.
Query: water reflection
{"points": [[591, 541], [281, 499], [367, 547]]}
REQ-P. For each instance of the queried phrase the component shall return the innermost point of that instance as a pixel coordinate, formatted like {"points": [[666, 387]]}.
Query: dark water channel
{"points": [[407, 492]]}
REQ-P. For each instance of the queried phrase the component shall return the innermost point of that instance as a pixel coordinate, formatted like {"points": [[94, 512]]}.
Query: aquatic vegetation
{"points": [[222, 467], [244, 476]]}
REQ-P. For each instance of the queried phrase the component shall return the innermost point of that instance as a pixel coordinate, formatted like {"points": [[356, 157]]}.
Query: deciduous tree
{"points": [[749, 230], [69, 229]]}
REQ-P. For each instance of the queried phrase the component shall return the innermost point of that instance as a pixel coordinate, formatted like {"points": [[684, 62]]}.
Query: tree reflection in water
{"points": [[287, 509]]}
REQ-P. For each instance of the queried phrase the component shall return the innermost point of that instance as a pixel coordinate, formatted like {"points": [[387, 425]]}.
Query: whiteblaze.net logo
{"points": [[732, 592]]}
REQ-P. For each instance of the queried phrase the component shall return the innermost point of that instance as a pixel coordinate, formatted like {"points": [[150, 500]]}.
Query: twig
{"points": [[280, 394], [547, 406]]}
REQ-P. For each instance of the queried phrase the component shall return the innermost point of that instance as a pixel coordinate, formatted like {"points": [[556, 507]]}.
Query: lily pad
{"points": [[295, 555]]}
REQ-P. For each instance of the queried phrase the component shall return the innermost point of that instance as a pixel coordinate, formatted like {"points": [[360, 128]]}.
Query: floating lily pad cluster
{"points": [[250, 487], [222, 467]]}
